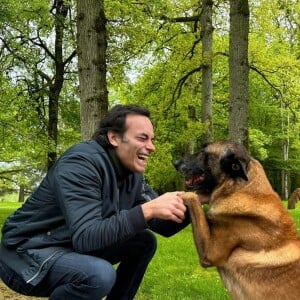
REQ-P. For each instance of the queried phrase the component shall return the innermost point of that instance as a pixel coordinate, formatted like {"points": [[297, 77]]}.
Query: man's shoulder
{"points": [[86, 146], [83, 153], [90, 149]]}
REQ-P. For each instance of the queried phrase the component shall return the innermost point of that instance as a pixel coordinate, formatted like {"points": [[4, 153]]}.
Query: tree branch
{"points": [[180, 83]]}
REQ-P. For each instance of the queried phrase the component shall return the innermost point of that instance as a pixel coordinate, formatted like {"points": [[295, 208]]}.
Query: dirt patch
{"points": [[8, 294]]}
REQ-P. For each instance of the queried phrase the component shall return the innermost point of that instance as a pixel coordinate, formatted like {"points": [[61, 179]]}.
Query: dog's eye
{"points": [[235, 167]]}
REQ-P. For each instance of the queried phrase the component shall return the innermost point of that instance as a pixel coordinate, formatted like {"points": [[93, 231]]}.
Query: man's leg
{"points": [[133, 257], [73, 276], [77, 276]]}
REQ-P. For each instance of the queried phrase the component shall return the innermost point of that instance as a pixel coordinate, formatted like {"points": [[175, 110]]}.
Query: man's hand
{"points": [[168, 206]]}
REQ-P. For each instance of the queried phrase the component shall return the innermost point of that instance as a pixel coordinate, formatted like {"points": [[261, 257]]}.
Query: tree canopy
{"points": [[155, 58]]}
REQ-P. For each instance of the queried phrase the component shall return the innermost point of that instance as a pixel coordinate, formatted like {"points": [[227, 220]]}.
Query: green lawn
{"points": [[174, 273], [6, 208]]}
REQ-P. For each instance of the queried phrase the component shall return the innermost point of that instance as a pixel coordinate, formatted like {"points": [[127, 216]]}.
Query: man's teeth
{"points": [[143, 157]]}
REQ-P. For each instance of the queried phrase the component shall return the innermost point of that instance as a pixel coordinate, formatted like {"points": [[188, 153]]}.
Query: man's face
{"points": [[136, 145]]}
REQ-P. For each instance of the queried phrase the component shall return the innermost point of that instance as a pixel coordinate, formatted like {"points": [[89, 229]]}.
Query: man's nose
{"points": [[150, 146]]}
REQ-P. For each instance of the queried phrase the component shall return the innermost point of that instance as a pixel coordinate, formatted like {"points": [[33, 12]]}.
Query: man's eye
{"points": [[145, 139]]}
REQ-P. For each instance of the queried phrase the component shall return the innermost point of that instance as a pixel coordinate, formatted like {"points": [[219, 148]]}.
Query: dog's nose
{"points": [[177, 164]]}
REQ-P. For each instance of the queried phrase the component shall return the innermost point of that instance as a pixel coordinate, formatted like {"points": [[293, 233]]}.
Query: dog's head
{"points": [[214, 163]]}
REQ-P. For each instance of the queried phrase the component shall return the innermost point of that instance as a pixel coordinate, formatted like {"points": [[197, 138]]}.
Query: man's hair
{"points": [[115, 120]]}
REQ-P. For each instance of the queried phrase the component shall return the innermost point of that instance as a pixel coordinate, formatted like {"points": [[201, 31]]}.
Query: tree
{"points": [[91, 48], [207, 80], [155, 55], [39, 60], [275, 93], [37, 52], [60, 9], [238, 71]]}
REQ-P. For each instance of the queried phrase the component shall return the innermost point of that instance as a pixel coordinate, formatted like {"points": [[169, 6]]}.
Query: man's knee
{"points": [[83, 277], [149, 241], [103, 277]]}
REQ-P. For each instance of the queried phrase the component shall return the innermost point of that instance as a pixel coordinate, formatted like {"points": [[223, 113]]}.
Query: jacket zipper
{"points": [[41, 267]]}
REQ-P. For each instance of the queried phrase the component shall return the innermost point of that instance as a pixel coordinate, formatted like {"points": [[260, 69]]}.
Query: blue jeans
{"points": [[78, 277]]}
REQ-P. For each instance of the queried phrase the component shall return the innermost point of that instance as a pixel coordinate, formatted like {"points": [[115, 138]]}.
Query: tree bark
{"points": [[21, 194], [286, 176], [238, 71], [55, 87], [91, 49], [207, 82]]}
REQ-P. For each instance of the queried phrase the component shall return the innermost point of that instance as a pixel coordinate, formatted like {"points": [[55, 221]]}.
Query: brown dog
{"points": [[246, 233]]}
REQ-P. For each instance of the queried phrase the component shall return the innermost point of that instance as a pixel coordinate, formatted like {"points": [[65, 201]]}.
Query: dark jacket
{"points": [[79, 206]]}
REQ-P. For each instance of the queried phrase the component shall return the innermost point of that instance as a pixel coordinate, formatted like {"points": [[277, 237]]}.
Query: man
{"points": [[92, 210]]}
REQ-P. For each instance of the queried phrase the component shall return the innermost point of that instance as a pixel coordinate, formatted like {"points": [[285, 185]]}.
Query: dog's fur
{"points": [[246, 233]]}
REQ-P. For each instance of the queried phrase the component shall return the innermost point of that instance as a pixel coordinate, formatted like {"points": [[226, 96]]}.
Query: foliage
{"points": [[154, 59], [27, 68], [274, 89], [175, 130]]}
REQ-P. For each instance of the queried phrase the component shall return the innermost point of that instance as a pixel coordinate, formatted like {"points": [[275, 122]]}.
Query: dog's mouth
{"points": [[196, 178], [194, 181]]}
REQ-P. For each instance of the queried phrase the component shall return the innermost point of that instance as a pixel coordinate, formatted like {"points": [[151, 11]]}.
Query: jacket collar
{"points": [[121, 172]]}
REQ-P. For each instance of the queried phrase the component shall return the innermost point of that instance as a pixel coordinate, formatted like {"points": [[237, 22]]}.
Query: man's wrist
{"points": [[147, 211]]}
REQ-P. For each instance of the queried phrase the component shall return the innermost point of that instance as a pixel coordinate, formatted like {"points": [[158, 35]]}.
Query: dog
{"points": [[246, 232]]}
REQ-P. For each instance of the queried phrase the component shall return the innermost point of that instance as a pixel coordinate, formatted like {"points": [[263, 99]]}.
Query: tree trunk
{"points": [[238, 71], [207, 83], [55, 88], [21, 193], [285, 124], [91, 49]]}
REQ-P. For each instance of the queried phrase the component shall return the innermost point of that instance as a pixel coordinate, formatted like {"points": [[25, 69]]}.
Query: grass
{"points": [[174, 273], [6, 208]]}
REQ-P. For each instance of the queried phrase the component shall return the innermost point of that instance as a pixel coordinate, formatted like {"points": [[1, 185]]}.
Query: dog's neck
{"points": [[258, 178]]}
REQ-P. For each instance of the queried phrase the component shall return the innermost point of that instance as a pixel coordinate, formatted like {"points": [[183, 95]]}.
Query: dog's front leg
{"points": [[200, 226]]}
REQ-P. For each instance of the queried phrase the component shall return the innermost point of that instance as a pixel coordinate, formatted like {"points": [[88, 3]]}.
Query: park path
{"points": [[7, 294]]}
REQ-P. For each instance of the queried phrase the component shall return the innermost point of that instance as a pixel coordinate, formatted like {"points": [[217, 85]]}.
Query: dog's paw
{"points": [[189, 198]]}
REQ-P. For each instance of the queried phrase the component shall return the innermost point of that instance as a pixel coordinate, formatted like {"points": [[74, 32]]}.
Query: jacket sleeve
{"points": [[77, 184], [162, 227]]}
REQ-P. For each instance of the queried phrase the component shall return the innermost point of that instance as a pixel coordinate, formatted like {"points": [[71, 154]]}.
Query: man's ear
{"points": [[113, 138]]}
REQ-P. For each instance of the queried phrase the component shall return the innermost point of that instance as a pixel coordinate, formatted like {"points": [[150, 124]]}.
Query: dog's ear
{"points": [[233, 166]]}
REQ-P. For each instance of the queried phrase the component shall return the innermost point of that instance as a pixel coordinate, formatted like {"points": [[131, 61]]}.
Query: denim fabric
{"points": [[73, 276], [89, 277], [134, 256]]}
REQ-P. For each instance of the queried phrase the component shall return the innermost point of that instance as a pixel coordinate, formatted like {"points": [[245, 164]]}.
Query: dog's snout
{"points": [[177, 164]]}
